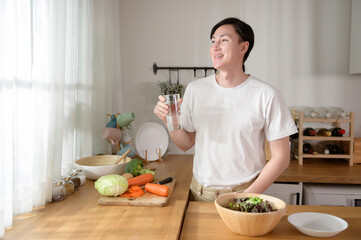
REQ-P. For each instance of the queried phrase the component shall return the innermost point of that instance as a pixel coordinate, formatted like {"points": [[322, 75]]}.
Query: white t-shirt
{"points": [[231, 125]]}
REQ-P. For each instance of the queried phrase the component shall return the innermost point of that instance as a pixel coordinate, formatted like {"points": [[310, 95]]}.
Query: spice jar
{"points": [[75, 179], [59, 192], [69, 185], [81, 175]]}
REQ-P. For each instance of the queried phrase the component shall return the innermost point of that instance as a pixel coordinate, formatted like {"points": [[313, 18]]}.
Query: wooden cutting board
{"points": [[148, 199]]}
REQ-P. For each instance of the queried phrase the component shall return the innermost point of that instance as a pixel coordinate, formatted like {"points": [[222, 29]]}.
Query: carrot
{"points": [[134, 191], [157, 189], [140, 180]]}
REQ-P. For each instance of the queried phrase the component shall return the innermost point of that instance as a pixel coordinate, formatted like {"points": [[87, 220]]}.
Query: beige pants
{"points": [[205, 194]]}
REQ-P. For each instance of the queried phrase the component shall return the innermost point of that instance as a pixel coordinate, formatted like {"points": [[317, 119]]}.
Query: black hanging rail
{"points": [[156, 68]]}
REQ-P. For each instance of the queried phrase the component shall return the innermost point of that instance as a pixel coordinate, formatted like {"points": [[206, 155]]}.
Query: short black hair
{"points": [[243, 30]]}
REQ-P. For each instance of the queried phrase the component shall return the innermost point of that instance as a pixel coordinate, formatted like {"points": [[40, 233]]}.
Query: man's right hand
{"points": [[183, 139], [161, 109]]}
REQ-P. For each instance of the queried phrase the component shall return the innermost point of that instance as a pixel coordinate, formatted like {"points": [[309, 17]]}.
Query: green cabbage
{"points": [[111, 185]]}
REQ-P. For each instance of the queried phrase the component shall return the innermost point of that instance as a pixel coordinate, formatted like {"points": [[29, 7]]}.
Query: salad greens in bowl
{"points": [[251, 204], [250, 214]]}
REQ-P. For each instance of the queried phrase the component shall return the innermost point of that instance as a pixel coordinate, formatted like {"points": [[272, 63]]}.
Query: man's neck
{"points": [[231, 79]]}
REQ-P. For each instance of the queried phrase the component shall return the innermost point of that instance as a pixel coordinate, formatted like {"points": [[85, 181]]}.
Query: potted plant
{"points": [[171, 88]]}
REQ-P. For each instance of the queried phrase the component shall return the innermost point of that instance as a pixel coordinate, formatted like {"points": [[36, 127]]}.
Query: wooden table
{"points": [[80, 217], [202, 221]]}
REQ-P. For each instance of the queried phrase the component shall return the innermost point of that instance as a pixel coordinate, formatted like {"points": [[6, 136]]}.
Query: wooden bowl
{"points": [[246, 223], [96, 166]]}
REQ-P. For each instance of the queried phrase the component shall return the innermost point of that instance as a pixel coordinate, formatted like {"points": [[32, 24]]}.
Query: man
{"points": [[227, 117]]}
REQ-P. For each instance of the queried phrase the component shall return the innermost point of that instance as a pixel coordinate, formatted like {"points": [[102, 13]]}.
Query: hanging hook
{"points": [[177, 76], [205, 72], [155, 68], [170, 78]]}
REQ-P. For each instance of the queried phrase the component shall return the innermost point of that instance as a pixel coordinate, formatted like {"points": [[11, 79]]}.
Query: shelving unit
{"points": [[348, 139]]}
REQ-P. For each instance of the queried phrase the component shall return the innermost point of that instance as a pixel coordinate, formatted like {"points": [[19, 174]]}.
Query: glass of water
{"points": [[173, 116]]}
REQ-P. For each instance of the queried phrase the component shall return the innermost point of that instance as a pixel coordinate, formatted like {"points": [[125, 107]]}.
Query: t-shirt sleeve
{"points": [[186, 111], [279, 122]]}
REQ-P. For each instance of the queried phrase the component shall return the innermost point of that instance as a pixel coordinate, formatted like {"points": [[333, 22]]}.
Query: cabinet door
{"points": [[325, 200], [332, 195], [290, 193], [288, 198]]}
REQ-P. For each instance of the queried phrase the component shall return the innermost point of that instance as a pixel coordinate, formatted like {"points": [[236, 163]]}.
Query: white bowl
{"points": [[317, 224], [97, 166]]}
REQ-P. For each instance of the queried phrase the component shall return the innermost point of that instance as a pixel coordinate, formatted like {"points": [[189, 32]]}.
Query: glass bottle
{"points": [[337, 112], [308, 112], [322, 112], [58, 192], [320, 148], [307, 148], [295, 135], [323, 132], [309, 132], [337, 132], [81, 175], [75, 179], [336, 149], [69, 185]]}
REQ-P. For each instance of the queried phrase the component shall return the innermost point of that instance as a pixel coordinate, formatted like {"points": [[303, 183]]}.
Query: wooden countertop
{"points": [[202, 221], [322, 171], [80, 217]]}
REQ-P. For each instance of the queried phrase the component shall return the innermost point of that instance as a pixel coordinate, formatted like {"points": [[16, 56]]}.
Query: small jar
{"points": [[75, 179], [59, 191], [81, 175], [69, 185]]}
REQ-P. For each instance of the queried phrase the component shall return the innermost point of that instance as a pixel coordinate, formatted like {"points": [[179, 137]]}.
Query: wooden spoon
{"points": [[123, 156]]}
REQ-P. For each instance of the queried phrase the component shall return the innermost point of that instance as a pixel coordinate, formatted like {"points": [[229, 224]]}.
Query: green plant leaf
{"points": [[170, 88]]}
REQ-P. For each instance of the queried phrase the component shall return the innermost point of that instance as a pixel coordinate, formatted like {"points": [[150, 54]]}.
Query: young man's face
{"points": [[226, 50]]}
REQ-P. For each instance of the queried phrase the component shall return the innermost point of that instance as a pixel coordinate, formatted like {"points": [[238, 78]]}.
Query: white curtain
{"points": [[59, 66]]}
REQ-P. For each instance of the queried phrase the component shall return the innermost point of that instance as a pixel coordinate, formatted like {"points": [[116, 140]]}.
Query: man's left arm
{"points": [[280, 159]]}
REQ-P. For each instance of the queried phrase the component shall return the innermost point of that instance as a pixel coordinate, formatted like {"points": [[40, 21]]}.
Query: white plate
{"points": [[151, 136], [317, 224]]}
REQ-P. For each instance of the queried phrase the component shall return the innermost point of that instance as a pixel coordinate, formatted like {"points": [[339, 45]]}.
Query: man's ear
{"points": [[244, 47]]}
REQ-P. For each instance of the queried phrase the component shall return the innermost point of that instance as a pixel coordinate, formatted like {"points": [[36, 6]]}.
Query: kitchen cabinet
{"points": [[290, 193], [332, 195], [345, 140], [324, 181]]}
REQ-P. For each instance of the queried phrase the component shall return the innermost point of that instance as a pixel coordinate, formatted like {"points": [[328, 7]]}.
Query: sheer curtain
{"points": [[59, 66]]}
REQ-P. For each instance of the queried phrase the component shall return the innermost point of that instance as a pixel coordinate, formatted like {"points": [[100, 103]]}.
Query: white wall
{"points": [[301, 48]]}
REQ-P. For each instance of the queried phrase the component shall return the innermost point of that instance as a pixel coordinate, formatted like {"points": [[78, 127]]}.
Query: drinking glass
{"points": [[173, 116]]}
